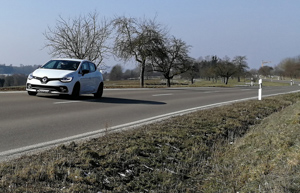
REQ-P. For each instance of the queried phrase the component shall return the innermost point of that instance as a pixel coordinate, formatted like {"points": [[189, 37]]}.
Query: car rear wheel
{"points": [[99, 92], [32, 93]]}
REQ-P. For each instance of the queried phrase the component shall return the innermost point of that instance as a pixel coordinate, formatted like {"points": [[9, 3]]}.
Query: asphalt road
{"points": [[27, 122]]}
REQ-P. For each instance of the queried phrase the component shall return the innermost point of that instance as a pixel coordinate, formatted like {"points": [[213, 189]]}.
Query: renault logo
{"points": [[44, 80]]}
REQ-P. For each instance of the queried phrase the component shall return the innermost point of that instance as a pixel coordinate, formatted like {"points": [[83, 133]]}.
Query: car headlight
{"points": [[30, 76], [66, 79]]}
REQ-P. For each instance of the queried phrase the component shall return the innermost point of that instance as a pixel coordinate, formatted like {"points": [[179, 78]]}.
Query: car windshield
{"points": [[61, 65]]}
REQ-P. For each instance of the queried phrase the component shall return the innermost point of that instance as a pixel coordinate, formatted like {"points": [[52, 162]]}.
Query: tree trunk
{"points": [[226, 80], [168, 82], [192, 80], [142, 73]]}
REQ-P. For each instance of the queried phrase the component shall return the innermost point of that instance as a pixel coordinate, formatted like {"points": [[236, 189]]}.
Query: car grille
{"points": [[46, 80], [63, 89]]}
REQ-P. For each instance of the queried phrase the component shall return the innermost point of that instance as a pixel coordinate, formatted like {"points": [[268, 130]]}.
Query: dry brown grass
{"points": [[267, 159]]}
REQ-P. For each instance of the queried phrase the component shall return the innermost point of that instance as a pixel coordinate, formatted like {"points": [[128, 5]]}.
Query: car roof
{"points": [[70, 59]]}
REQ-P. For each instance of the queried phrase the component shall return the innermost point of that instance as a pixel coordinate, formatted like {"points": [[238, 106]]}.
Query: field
{"points": [[158, 83], [251, 146], [178, 82]]}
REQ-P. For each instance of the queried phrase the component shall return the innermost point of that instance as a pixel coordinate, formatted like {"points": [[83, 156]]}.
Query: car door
{"points": [[85, 80], [94, 77]]}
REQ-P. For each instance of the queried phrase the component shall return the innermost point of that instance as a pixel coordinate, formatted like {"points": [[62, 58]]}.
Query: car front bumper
{"points": [[47, 89], [53, 87]]}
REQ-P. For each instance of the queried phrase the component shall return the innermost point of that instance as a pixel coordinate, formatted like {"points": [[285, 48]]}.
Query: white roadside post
{"points": [[259, 89]]}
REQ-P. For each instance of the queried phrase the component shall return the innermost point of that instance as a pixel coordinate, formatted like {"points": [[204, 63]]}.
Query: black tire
{"points": [[31, 93], [76, 91], [99, 92]]}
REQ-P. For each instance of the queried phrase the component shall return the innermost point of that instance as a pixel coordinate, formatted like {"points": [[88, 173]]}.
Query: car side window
{"points": [[85, 66], [92, 67]]}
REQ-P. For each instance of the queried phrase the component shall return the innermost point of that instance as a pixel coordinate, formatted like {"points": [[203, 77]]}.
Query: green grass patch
{"points": [[225, 149]]}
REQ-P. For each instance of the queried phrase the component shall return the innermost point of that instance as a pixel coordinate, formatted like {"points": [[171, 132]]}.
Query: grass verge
{"points": [[13, 88], [266, 159], [225, 149]]}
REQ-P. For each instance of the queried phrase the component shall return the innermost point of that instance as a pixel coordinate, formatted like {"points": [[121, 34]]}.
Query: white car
{"points": [[66, 76]]}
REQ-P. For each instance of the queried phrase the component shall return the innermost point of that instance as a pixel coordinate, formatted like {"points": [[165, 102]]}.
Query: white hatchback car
{"points": [[66, 76]]}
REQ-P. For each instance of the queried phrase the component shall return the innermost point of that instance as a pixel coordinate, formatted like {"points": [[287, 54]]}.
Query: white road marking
{"points": [[162, 94], [208, 92], [66, 102]]}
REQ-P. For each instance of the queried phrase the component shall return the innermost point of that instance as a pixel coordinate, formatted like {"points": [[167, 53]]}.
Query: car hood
{"points": [[50, 73]]}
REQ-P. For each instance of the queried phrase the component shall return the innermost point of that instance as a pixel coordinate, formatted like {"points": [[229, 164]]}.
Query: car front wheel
{"points": [[32, 93], [76, 91]]}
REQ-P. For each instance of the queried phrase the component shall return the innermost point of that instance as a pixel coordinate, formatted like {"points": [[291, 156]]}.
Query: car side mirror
{"points": [[85, 72]]}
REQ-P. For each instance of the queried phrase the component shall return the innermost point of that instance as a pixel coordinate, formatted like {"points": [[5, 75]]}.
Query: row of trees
{"points": [[143, 40], [117, 73], [289, 67], [13, 80], [149, 44], [213, 68], [210, 68]]}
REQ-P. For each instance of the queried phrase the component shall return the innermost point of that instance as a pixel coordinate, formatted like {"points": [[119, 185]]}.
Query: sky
{"points": [[261, 30]]}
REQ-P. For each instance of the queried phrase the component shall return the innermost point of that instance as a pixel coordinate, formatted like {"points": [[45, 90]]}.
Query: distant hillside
{"points": [[14, 75], [17, 69]]}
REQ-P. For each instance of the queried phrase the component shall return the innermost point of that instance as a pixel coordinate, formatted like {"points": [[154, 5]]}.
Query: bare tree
{"points": [[265, 70], [208, 67], [116, 73], [193, 72], [83, 37], [291, 67], [171, 58], [136, 39], [225, 69], [241, 65]]}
